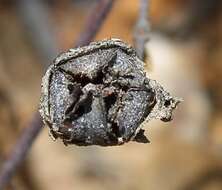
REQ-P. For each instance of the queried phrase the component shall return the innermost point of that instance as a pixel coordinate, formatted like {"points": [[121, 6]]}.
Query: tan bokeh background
{"points": [[183, 154]]}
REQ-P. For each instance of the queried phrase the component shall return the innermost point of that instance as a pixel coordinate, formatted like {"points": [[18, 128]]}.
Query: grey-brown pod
{"points": [[99, 95]]}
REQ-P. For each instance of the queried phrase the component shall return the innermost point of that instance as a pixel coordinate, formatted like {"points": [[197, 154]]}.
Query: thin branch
{"points": [[142, 29], [20, 150], [95, 20], [31, 132]]}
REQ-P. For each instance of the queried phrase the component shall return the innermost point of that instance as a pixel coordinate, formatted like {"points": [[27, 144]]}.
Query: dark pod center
{"points": [[108, 99]]}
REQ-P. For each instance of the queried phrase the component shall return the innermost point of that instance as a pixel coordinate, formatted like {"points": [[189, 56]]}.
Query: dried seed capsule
{"points": [[99, 95]]}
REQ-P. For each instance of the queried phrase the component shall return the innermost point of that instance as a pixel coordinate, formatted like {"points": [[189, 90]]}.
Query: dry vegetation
{"points": [[184, 154]]}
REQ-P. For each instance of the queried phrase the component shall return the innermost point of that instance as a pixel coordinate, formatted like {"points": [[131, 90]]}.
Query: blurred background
{"points": [[184, 55]]}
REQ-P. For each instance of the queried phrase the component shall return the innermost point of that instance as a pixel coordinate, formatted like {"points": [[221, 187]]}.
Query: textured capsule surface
{"points": [[99, 95]]}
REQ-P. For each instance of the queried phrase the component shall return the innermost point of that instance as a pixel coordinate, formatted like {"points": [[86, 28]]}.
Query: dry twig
{"points": [[20, 150], [31, 132], [95, 20], [142, 28]]}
